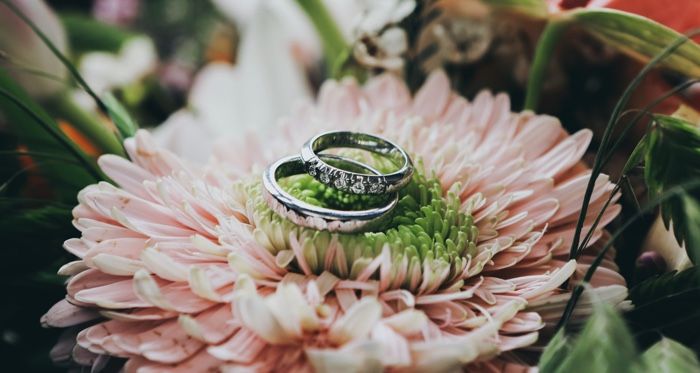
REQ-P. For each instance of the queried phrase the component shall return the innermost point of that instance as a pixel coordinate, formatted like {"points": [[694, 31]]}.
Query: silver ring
{"points": [[353, 182], [316, 217]]}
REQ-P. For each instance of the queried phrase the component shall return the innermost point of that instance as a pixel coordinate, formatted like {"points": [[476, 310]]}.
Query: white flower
{"points": [[662, 241], [294, 25], [104, 71], [379, 43], [389, 47], [377, 14], [226, 99], [25, 55]]}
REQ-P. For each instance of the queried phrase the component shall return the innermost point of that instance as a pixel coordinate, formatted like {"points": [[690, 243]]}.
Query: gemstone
{"points": [[341, 183], [311, 170], [377, 188], [358, 188]]}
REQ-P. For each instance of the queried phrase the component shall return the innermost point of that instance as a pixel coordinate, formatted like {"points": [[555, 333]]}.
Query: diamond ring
{"points": [[316, 217], [354, 182]]}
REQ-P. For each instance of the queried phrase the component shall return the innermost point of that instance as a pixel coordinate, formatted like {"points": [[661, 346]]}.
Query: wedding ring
{"points": [[353, 182], [316, 217]]}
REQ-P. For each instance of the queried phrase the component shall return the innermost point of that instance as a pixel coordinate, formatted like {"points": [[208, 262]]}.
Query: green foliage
{"points": [[666, 304], [120, 116], [673, 158], [555, 353], [332, 39], [606, 345], [63, 58], [669, 356], [535, 8], [87, 34], [39, 132], [639, 37], [37, 193], [31, 253], [664, 286], [26, 229]]}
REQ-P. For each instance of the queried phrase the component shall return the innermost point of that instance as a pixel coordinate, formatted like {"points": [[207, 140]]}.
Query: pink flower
{"points": [[187, 269]]}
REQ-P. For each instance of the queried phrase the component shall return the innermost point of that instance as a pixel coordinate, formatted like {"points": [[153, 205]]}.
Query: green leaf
{"points": [[638, 37], [24, 251], [120, 116], [37, 131], [669, 356], [31, 254], [664, 286], [534, 8], [688, 229], [673, 158], [555, 352], [604, 345], [601, 159], [636, 157], [89, 124], [87, 34], [332, 39], [61, 57], [667, 304]]}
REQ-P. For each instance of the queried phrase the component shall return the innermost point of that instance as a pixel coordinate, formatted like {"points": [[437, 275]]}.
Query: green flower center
{"points": [[425, 227]]}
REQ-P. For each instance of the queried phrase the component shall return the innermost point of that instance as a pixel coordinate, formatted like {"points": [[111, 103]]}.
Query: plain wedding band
{"points": [[317, 217]]}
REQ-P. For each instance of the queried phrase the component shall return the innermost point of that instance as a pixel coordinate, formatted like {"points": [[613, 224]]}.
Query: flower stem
{"points": [[97, 131], [331, 37], [543, 54]]}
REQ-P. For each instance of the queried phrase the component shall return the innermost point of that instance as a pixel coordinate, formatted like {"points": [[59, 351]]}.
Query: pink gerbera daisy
{"points": [[184, 268]]}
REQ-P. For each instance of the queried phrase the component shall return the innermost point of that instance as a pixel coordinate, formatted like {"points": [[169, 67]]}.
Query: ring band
{"points": [[352, 182], [317, 217]]}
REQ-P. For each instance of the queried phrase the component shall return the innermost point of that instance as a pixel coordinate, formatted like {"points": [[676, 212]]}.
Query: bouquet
{"points": [[312, 186]]}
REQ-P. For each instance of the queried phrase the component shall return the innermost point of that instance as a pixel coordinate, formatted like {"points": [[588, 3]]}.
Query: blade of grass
{"points": [[57, 135], [591, 231], [30, 71], [24, 170], [334, 44], [630, 189], [578, 290], [63, 107], [644, 112], [597, 164], [639, 114], [64, 60], [14, 200], [33, 154]]}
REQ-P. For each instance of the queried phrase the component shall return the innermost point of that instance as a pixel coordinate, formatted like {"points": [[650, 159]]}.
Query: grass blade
{"points": [[64, 60]]}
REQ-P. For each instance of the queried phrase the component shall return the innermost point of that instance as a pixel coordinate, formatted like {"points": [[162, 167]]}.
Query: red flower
{"points": [[680, 15]]}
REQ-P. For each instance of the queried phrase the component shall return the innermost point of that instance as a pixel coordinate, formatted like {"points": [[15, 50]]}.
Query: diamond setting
{"points": [[346, 181], [311, 167], [377, 188], [358, 187], [341, 183]]}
